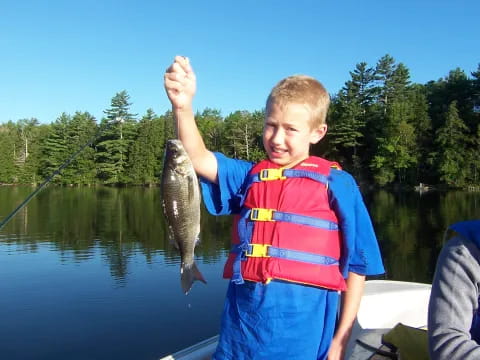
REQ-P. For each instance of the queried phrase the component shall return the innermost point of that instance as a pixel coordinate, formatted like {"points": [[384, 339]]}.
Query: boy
{"points": [[289, 260]]}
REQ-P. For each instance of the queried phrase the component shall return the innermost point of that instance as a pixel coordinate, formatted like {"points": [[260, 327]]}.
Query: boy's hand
{"points": [[337, 349], [180, 83]]}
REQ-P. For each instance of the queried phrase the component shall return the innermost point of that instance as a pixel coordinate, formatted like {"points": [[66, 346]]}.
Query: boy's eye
{"points": [[292, 129]]}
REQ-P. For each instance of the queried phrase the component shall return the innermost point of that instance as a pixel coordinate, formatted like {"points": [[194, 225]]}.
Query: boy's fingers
{"points": [[187, 67], [179, 58], [178, 68], [174, 79], [174, 86], [174, 76], [179, 76], [184, 62]]}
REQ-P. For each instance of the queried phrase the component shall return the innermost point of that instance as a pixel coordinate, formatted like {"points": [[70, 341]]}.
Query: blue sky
{"points": [[64, 56]]}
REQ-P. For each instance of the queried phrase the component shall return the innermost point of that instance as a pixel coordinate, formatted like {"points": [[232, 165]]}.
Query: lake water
{"points": [[88, 273]]}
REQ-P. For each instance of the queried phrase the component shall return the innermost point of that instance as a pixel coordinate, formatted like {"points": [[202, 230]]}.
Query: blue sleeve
{"points": [[224, 198], [361, 253]]}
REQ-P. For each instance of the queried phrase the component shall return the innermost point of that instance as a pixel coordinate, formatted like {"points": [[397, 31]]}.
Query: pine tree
{"points": [[461, 89], [242, 132], [351, 110], [82, 130], [146, 151], [452, 155], [210, 123], [393, 130], [55, 147], [384, 71], [422, 124], [346, 123], [7, 149], [168, 127], [114, 145], [475, 159]]}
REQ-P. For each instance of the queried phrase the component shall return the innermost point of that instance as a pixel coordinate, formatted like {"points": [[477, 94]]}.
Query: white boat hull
{"points": [[384, 304]]}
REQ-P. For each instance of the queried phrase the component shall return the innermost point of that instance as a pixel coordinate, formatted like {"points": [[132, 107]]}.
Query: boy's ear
{"points": [[318, 134]]}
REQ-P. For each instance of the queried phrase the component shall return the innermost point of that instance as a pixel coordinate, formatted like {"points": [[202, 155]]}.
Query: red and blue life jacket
{"points": [[286, 229]]}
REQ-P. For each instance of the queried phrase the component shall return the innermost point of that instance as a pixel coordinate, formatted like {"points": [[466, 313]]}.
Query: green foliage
{"points": [[422, 124], [27, 150], [64, 139], [145, 156], [83, 130], [243, 131], [382, 128], [7, 149], [55, 147], [114, 145], [452, 141], [209, 124], [474, 159]]}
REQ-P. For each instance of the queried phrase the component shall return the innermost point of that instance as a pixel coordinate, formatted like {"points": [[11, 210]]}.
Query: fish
{"points": [[181, 207]]}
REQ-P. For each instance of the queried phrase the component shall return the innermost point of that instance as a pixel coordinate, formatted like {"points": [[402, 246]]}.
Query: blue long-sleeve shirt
{"points": [[282, 319]]}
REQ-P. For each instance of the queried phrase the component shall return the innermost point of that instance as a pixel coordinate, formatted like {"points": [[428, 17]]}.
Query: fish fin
{"points": [[188, 275]]}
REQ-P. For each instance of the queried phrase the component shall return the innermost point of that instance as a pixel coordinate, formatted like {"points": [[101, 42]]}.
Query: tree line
{"points": [[383, 128]]}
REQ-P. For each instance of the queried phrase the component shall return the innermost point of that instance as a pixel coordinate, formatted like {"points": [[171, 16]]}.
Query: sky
{"points": [[67, 56]]}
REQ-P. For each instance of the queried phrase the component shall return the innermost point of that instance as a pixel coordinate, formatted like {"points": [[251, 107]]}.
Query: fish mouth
{"points": [[176, 152], [174, 144]]}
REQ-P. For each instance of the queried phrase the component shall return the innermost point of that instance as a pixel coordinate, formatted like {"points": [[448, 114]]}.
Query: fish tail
{"points": [[190, 273]]}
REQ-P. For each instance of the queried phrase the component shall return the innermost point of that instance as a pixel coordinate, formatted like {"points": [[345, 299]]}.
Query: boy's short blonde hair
{"points": [[302, 89]]}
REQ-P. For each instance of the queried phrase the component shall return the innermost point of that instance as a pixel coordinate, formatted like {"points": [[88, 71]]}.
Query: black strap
{"points": [[379, 351]]}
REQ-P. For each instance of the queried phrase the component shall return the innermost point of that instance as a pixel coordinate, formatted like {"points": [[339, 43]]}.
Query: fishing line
{"points": [[56, 172]]}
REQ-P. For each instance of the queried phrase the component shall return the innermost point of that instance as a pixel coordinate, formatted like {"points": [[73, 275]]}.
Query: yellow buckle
{"points": [[258, 250], [258, 214], [272, 174]]}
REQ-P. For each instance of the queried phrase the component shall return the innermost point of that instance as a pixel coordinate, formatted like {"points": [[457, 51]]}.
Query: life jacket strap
{"points": [[282, 174], [271, 174], [259, 214], [245, 231], [265, 250]]}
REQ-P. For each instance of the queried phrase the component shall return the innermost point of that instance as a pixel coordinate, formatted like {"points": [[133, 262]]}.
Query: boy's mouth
{"points": [[278, 152]]}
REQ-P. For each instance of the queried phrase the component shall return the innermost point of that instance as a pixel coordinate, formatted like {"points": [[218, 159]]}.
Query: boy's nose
{"points": [[277, 137]]}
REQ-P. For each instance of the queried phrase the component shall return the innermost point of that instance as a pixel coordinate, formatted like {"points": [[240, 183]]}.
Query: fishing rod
{"points": [[56, 172]]}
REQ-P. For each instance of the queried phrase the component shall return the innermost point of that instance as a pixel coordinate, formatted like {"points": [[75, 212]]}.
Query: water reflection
{"points": [[92, 271], [122, 223], [410, 228]]}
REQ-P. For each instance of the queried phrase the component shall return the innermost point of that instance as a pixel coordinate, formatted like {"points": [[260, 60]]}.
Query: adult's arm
{"points": [[453, 302]]}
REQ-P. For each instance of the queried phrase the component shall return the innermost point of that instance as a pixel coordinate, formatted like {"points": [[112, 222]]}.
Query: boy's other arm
{"points": [[180, 85], [350, 303]]}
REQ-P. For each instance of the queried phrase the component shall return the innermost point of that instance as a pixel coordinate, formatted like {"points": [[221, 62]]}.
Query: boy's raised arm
{"points": [[180, 85]]}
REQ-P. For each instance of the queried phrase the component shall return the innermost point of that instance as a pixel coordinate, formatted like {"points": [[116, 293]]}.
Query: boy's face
{"points": [[287, 134]]}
